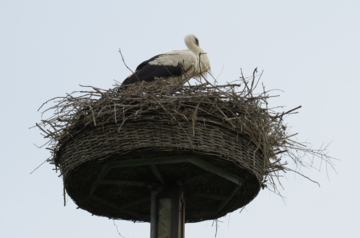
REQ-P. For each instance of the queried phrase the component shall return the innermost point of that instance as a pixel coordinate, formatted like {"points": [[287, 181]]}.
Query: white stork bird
{"points": [[176, 67]]}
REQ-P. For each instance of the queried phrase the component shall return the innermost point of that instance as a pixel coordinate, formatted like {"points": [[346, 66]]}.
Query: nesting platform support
{"points": [[167, 213], [129, 187]]}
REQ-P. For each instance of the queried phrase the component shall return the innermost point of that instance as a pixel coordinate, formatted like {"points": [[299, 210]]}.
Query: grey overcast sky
{"points": [[308, 49]]}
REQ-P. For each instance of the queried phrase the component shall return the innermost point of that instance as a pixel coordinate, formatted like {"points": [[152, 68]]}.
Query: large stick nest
{"points": [[235, 107]]}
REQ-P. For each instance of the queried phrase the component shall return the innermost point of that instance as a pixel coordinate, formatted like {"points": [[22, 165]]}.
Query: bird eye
{"points": [[197, 41]]}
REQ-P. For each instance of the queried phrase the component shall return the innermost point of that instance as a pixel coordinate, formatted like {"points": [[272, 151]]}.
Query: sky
{"points": [[307, 49]]}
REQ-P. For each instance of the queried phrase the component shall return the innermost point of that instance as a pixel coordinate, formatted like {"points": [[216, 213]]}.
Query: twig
{"points": [[117, 229], [122, 57], [39, 166]]}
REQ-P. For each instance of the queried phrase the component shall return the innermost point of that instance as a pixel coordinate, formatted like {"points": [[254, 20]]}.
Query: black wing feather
{"points": [[148, 72], [140, 66]]}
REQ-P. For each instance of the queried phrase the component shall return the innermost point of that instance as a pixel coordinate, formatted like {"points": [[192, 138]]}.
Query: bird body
{"points": [[175, 67]]}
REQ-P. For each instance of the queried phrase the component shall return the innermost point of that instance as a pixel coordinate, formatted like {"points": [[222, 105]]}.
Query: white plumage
{"points": [[176, 67]]}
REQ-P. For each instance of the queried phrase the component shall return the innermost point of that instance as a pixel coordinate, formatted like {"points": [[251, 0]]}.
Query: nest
{"points": [[228, 126]]}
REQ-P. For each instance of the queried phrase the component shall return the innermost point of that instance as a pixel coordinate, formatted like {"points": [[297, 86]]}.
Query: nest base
{"points": [[118, 184]]}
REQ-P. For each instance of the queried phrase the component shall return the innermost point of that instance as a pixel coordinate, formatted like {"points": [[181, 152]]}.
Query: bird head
{"points": [[192, 42]]}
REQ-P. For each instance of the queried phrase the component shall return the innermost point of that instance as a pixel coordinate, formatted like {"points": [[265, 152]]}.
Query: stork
{"points": [[175, 67]]}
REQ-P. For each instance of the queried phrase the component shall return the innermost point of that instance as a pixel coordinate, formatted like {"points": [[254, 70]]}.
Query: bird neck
{"points": [[194, 48]]}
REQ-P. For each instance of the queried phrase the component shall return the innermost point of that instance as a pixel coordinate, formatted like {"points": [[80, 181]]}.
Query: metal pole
{"points": [[170, 219], [153, 214]]}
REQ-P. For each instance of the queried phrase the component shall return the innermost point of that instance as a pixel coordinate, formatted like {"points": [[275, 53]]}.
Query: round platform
{"points": [[111, 173]]}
